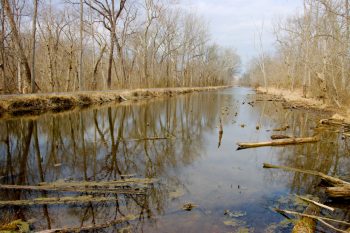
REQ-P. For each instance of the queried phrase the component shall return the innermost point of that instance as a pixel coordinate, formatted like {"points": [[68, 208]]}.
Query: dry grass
{"points": [[34, 104], [296, 97]]}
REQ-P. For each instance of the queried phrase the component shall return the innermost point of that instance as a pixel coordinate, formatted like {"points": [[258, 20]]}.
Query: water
{"points": [[230, 189]]}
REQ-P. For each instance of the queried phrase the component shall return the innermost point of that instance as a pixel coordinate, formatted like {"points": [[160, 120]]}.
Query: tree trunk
{"points": [[33, 44], [81, 83], [3, 70], [18, 42], [110, 63]]}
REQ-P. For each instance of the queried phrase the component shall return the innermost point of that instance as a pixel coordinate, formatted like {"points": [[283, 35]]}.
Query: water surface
{"points": [[231, 190]]}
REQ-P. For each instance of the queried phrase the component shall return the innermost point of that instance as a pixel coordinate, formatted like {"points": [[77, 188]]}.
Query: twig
{"points": [[312, 216], [316, 203], [332, 180]]}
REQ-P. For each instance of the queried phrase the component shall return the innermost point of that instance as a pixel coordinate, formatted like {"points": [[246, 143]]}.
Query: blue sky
{"points": [[233, 23]]}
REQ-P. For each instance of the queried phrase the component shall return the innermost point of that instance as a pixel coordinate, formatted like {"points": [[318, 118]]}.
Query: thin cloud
{"points": [[234, 22]]}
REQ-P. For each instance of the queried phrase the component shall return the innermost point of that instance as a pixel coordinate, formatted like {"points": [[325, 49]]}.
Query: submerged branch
{"points": [[73, 189], [57, 200]]}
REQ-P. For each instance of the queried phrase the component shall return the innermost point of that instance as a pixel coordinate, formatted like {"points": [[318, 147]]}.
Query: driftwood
{"points": [[284, 128], [339, 191], [315, 203], [221, 132], [279, 136], [92, 227], [74, 189], [307, 224], [318, 218], [57, 200], [280, 142], [329, 179], [94, 184]]}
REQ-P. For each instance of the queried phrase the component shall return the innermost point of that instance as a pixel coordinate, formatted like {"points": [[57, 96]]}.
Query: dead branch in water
{"points": [[92, 227], [279, 136], [339, 191], [331, 180], [307, 224], [280, 142], [74, 190], [221, 132], [315, 203], [57, 200], [318, 218], [94, 184], [284, 128]]}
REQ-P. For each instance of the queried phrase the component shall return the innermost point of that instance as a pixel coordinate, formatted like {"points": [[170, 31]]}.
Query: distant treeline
{"points": [[312, 53], [107, 44]]}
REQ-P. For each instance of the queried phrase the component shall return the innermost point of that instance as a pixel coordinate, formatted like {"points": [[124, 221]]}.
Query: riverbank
{"points": [[296, 100], [34, 104]]}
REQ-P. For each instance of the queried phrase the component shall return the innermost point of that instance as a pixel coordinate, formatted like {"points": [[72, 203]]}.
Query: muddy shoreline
{"points": [[36, 104], [294, 100]]}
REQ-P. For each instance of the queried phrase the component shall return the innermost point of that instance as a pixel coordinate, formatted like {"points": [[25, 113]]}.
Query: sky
{"points": [[235, 23]]}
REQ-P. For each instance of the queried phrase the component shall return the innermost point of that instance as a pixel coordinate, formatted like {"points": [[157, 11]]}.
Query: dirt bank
{"points": [[34, 104], [296, 100]]}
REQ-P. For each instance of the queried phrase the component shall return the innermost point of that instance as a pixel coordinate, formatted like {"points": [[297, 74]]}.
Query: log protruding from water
{"points": [[329, 179], [279, 142]]}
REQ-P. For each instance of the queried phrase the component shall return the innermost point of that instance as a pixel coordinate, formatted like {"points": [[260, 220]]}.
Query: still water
{"points": [[175, 140]]}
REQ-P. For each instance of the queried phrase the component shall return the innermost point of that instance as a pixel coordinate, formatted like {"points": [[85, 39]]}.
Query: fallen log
{"points": [[318, 218], [113, 183], [280, 142], [57, 200], [306, 224], [339, 191], [329, 179], [73, 189]]}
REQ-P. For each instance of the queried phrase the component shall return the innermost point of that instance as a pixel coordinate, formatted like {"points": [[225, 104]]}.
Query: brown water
{"points": [[97, 144]]}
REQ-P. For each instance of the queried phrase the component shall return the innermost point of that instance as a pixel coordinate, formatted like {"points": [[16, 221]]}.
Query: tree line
{"points": [[71, 45], [312, 53]]}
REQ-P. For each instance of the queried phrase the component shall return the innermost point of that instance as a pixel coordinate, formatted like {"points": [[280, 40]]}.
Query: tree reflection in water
{"points": [[99, 144]]}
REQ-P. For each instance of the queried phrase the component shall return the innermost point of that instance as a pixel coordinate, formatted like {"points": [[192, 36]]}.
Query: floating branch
{"points": [[339, 191], [319, 218], [331, 180], [114, 183], [75, 190], [279, 136], [315, 203], [280, 142], [57, 200]]}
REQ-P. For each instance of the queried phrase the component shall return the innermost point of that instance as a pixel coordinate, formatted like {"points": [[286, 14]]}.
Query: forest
{"points": [[67, 46], [311, 54]]}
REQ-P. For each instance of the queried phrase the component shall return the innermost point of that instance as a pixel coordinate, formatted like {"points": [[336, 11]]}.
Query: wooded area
{"points": [[312, 53], [59, 45]]}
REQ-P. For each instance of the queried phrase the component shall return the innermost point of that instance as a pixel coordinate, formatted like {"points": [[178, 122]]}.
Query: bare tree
{"points": [[18, 42], [33, 44], [106, 9]]}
